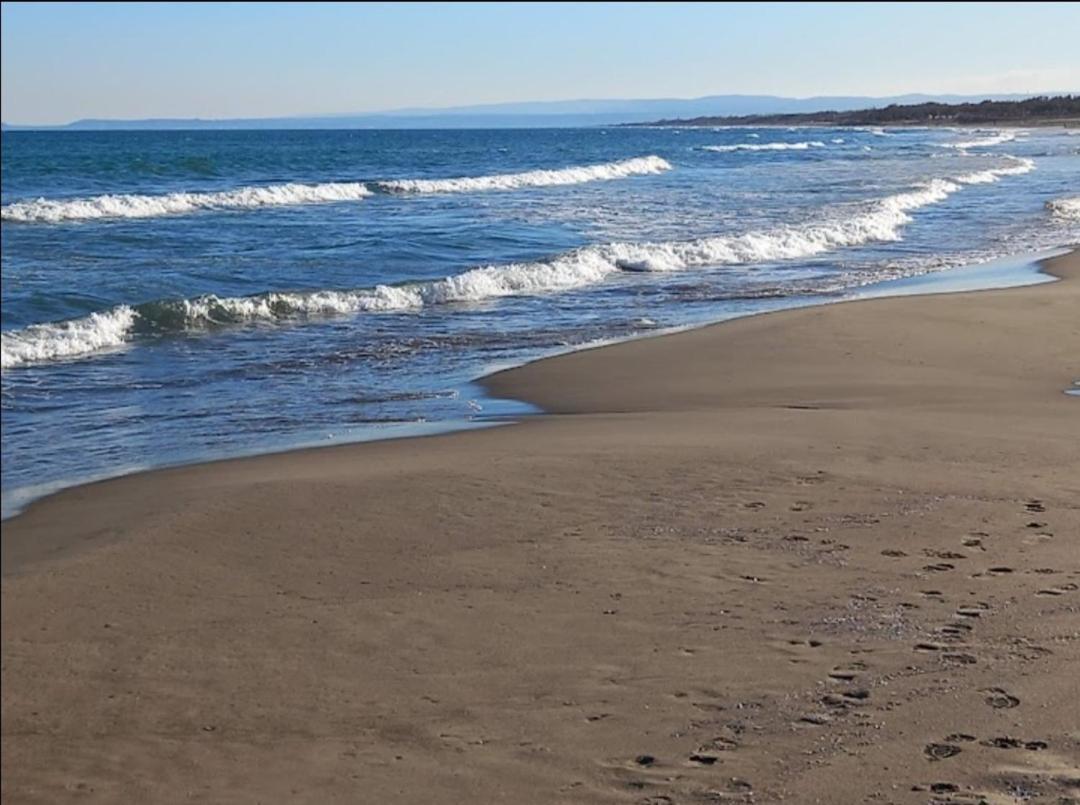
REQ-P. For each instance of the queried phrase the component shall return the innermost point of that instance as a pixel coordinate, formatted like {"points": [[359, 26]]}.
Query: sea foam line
{"points": [[803, 146], [53, 211], [881, 220]]}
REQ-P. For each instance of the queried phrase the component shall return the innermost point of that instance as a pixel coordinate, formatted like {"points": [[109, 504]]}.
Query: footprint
{"points": [[940, 567], [996, 571], [960, 737], [1035, 506], [1060, 589], [1003, 742], [943, 788], [645, 760], [961, 659], [944, 554], [974, 542], [930, 647], [975, 611], [1000, 699], [955, 631], [847, 673], [941, 751], [1035, 524], [1006, 742], [894, 552], [816, 718], [703, 760]]}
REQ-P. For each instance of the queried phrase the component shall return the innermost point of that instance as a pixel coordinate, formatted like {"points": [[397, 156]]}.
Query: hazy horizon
{"points": [[114, 61]]}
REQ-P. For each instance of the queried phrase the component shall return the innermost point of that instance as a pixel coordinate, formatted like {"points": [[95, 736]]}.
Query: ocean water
{"points": [[175, 296]]}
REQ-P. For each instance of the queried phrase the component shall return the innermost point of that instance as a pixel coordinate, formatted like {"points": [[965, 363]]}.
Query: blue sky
{"points": [[66, 61]]}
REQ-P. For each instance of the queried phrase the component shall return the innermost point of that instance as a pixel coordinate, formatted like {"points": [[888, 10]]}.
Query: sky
{"points": [[61, 62]]}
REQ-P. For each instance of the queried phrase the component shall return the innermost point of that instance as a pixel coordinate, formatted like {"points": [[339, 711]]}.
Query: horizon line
{"points": [[467, 110]]}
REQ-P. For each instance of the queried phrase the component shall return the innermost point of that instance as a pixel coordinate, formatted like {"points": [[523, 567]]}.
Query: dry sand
{"points": [[824, 555]]}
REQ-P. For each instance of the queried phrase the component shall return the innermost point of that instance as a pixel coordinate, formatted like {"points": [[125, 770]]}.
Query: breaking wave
{"points": [[1066, 208], [764, 146], [996, 138], [53, 211], [537, 178], [1019, 166], [881, 220]]}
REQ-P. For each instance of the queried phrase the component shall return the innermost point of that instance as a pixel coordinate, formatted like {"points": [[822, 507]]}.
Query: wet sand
{"points": [[822, 555]]}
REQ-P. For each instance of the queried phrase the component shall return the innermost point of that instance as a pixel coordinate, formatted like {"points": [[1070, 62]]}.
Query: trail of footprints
{"points": [[952, 635], [845, 692]]}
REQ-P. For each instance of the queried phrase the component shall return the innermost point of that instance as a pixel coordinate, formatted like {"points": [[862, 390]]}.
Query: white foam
{"points": [[997, 138], [47, 342], [764, 146], [53, 211], [536, 178], [1065, 208], [1019, 166], [880, 220], [837, 140]]}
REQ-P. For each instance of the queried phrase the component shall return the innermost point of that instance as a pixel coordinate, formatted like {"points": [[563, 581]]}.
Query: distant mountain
{"points": [[537, 114], [1041, 111]]}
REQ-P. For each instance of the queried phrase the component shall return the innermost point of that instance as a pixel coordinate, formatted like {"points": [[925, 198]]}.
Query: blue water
{"points": [[142, 327]]}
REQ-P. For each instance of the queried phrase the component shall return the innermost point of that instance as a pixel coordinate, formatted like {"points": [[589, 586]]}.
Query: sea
{"points": [[177, 296]]}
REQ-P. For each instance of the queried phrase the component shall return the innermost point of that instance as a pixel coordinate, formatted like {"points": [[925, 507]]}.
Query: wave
{"points": [[1066, 208], [997, 138], [67, 339], [1019, 166], [53, 211], [880, 220], [764, 146], [536, 178]]}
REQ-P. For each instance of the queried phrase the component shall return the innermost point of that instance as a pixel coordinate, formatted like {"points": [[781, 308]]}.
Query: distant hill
{"points": [[1041, 111], [539, 114]]}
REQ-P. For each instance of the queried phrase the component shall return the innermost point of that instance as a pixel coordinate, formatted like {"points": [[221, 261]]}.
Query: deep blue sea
{"points": [[175, 296]]}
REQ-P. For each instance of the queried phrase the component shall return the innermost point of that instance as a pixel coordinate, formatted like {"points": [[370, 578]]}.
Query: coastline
{"points": [[1002, 272], [777, 555], [1063, 123]]}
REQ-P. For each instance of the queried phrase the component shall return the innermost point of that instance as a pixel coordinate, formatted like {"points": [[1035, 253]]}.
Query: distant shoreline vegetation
{"points": [[1063, 110]]}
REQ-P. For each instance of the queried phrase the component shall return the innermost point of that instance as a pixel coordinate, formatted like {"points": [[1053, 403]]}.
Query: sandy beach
{"points": [[823, 555]]}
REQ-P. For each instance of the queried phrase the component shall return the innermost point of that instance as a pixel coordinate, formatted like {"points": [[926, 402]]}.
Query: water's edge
{"points": [[1006, 272]]}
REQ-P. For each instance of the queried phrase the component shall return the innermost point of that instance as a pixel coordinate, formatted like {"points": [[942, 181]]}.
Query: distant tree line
{"points": [[1063, 109]]}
